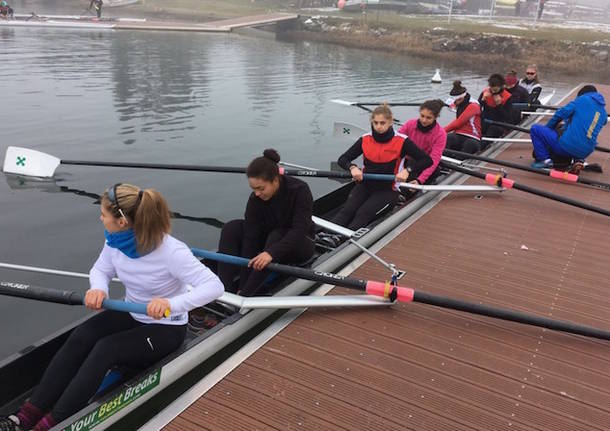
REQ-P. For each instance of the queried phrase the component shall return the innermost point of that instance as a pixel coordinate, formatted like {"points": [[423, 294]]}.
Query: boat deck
{"points": [[419, 367]]}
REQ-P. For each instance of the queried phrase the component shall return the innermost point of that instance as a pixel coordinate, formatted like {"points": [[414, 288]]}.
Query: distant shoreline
{"points": [[477, 43]]}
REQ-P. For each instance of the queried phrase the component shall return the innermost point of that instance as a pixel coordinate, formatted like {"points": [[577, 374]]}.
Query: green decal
{"points": [[346, 131], [110, 407], [20, 161]]}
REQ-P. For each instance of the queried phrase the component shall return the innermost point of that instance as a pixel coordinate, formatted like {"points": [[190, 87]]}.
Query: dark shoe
{"points": [[9, 423], [329, 240], [200, 320], [542, 164], [577, 167]]}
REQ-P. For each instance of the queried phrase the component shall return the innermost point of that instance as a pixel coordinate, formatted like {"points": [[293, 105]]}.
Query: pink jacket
{"points": [[432, 143]]}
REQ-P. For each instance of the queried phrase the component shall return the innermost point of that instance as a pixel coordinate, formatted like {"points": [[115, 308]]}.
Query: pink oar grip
{"points": [[281, 170], [498, 180], [563, 175], [378, 288]]}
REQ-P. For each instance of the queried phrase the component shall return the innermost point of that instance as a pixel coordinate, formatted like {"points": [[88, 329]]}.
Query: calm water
{"points": [[167, 98]]}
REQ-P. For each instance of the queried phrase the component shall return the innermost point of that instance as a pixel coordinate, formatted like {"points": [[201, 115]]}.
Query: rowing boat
{"points": [[122, 393], [20, 372]]}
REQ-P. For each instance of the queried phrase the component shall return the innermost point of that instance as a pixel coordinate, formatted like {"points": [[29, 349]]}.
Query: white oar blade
{"points": [[24, 161], [346, 130], [342, 102]]}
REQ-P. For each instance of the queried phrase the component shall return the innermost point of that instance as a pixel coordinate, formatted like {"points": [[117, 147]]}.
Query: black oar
{"points": [[500, 181], [405, 294], [24, 161], [525, 130], [566, 176], [66, 297]]}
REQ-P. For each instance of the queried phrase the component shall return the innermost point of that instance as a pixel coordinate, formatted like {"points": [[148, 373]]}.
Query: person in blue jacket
{"points": [[583, 119]]}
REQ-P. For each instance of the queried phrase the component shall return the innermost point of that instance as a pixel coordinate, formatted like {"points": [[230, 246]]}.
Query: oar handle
{"points": [[334, 174], [128, 307]]}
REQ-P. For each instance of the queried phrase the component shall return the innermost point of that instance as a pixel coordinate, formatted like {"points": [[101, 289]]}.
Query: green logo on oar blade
{"points": [[346, 131], [20, 161]]}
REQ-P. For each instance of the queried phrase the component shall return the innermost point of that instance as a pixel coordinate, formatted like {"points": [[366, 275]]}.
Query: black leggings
{"points": [[365, 203], [463, 143], [107, 339], [251, 281]]}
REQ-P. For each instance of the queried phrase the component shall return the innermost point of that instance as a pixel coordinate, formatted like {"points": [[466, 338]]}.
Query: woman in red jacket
{"points": [[464, 133], [383, 152]]}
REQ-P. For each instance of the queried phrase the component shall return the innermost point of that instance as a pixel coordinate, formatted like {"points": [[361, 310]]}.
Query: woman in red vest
{"points": [[383, 152]]}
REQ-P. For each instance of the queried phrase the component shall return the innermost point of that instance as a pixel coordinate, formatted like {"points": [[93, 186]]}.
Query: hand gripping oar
{"points": [[405, 294], [24, 161], [500, 181], [66, 297], [553, 173], [526, 130]]}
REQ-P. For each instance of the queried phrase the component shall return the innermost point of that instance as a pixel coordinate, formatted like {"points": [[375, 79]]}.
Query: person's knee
{"points": [[471, 146], [232, 231]]}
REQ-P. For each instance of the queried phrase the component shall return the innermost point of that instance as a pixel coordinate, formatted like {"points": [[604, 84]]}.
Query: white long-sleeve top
{"points": [[163, 273]]}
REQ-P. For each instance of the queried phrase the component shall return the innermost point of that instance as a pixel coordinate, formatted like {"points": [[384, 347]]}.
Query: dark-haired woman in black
{"points": [[277, 226]]}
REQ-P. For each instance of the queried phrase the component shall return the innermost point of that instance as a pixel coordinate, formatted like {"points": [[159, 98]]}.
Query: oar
{"points": [[361, 106], [66, 297], [246, 302], [500, 181], [566, 176], [346, 103], [526, 130], [405, 294], [24, 161]]}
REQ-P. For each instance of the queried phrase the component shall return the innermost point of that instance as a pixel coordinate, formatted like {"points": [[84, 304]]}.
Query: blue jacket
{"points": [[584, 117]]}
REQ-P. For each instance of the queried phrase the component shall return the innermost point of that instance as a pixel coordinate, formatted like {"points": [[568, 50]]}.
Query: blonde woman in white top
{"points": [[155, 269]]}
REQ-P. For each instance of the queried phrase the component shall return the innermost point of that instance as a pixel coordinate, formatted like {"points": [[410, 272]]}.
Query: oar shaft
{"points": [[295, 271], [511, 184], [554, 174], [525, 130], [22, 290], [513, 316], [67, 297], [200, 168], [405, 294], [226, 169], [389, 103]]}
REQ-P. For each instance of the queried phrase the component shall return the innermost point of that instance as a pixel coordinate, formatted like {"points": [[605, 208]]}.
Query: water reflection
{"points": [[18, 182]]}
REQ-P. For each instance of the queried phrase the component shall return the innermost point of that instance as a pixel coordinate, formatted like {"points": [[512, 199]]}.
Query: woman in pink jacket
{"points": [[429, 136]]}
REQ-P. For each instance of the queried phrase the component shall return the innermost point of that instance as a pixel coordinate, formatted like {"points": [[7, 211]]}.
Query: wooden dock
{"points": [[419, 367], [222, 26]]}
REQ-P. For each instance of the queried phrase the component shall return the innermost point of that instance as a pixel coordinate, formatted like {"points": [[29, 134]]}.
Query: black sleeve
{"points": [[534, 95], [506, 110], [254, 237], [300, 226], [352, 153], [418, 159]]}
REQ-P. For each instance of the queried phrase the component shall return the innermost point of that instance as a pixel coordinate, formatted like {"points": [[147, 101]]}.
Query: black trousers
{"points": [[463, 143], [365, 203], [108, 339], [251, 281]]}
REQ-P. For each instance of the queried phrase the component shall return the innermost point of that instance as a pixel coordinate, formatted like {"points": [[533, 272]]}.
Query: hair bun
{"points": [[272, 154], [457, 89]]}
